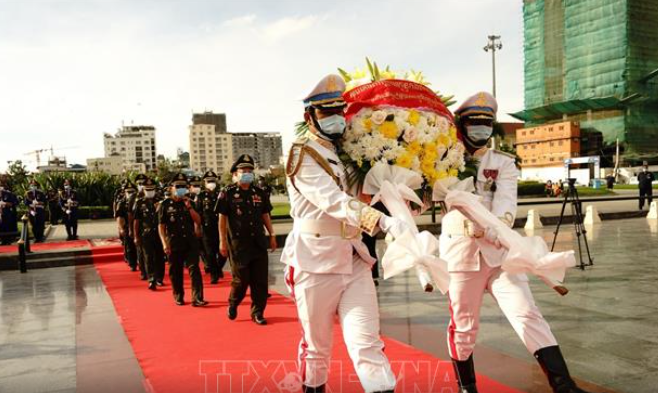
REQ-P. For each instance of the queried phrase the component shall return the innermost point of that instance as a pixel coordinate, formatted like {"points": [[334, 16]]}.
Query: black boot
{"points": [[552, 362], [307, 389], [465, 374]]}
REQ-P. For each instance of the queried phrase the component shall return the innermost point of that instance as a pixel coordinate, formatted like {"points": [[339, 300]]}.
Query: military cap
{"points": [[482, 105], [129, 186], [327, 94], [179, 180], [141, 178], [244, 161], [210, 175], [149, 184], [195, 180]]}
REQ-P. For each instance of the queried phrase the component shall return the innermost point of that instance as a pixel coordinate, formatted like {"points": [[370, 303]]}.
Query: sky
{"points": [[72, 70]]}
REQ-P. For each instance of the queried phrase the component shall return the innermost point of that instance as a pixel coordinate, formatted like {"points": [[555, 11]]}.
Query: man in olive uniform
{"points": [[140, 179], [122, 217], [205, 206], [68, 202], [8, 215], [36, 201], [645, 180], [244, 210], [177, 219], [146, 234], [54, 210]]}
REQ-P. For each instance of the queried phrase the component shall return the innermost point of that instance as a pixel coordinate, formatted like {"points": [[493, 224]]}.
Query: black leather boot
{"points": [[308, 389], [465, 374], [552, 362]]}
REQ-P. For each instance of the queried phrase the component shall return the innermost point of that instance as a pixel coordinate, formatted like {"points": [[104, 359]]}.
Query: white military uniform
{"points": [[328, 270], [474, 265]]}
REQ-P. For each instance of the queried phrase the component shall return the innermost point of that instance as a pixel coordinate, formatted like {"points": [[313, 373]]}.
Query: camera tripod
{"points": [[571, 196]]}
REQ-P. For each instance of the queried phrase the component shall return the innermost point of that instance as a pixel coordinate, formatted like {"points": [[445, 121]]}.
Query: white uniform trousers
{"points": [[510, 291], [353, 298]]}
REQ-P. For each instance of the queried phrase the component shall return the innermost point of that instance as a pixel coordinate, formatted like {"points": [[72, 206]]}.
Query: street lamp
{"points": [[493, 45]]}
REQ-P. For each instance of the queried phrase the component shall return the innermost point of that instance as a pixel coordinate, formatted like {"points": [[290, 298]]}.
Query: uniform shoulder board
{"points": [[506, 154], [295, 157]]}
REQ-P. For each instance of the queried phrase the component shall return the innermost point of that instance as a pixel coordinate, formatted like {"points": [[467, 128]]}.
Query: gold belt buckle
{"points": [[344, 232]]}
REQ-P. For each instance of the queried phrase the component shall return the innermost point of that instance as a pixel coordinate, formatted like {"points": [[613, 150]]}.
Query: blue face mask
{"points": [[332, 127], [246, 178], [181, 192], [479, 133]]}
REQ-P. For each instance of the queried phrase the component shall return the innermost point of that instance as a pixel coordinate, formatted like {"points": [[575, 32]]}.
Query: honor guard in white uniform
{"points": [[328, 266], [474, 257]]}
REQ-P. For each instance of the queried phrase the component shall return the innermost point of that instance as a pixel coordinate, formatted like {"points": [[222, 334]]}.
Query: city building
{"points": [[211, 146], [509, 130], [135, 145], [58, 164], [544, 149], [265, 148], [112, 165], [594, 62]]}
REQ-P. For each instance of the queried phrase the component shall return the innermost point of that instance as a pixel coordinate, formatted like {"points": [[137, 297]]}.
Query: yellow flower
{"points": [[415, 148], [454, 172], [442, 175], [443, 140], [453, 133], [404, 160], [389, 129], [414, 117], [367, 124], [427, 166]]}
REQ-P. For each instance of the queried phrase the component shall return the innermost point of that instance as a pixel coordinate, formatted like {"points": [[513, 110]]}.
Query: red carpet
{"points": [[187, 349], [13, 248]]}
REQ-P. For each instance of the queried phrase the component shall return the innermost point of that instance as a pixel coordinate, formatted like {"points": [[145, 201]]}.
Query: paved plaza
{"points": [[59, 331]]}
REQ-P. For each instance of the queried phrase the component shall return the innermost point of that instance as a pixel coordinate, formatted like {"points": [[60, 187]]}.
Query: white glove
{"points": [[393, 226], [491, 235]]}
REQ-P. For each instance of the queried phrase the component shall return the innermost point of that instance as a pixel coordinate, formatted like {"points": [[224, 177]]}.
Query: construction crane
{"points": [[37, 153]]}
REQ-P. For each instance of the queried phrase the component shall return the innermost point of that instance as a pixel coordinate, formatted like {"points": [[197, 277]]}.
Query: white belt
{"points": [[326, 227]]}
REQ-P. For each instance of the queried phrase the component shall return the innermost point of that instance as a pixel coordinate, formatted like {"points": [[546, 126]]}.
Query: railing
{"points": [[24, 245]]}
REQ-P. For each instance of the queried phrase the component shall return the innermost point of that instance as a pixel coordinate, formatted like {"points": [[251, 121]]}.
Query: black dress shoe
{"points": [[221, 274], [308, 389], [143, 278], [259, 319], [133, 268], [152, 286], [180, 302], [232, 312], [199, 303], [159, 283]]}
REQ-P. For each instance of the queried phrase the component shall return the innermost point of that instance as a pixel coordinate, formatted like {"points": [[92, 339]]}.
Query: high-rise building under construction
{"points": [[594, 62]]}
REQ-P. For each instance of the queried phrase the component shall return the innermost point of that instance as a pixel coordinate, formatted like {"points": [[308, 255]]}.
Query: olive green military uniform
{"points": [[184, 248], [247, 243], [129, 249], [139, 196], [145, 214], [205, 206]]}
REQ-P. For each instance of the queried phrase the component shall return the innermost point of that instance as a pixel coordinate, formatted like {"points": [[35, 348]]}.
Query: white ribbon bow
{"points": [[412, 249], [443, 186], [526, 254], [405, 180]]}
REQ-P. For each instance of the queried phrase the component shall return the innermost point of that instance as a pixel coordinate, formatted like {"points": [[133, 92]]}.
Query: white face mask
{"points": [[479, 133], [332, 127], [211, 186], [140, 188], [149, 193]]}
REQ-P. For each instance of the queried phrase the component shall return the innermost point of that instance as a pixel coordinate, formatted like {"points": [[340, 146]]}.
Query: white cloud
{"points": [[287, 26]]}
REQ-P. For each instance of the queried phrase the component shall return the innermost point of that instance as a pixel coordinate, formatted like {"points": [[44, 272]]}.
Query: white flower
{"points": [[378, 117], [410, 134]]}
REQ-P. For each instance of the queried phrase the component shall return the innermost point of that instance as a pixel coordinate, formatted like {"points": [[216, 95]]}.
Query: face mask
{"points": [[332, 127], [211, 186], [140, 188], [196, 190], [181, 192], [644, 169], [479, 133], [149, 194], [246, 178]]}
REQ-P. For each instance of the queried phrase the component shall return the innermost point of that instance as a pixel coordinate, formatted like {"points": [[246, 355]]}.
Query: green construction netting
{"points": [[594, 55]]}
